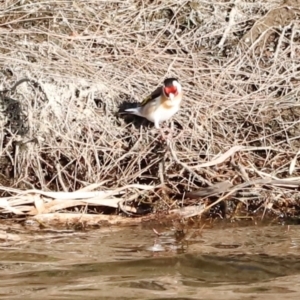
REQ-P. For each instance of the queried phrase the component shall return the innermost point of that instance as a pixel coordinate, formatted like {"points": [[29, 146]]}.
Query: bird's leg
{"points": [[174, 132], [156, 124], [165, 136]]}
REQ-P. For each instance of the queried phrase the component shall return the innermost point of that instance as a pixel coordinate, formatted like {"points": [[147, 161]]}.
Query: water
{"points": [[218, 262]]}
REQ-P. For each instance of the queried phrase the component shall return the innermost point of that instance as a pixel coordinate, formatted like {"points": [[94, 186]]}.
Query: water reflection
{"points": [[227, 262]]}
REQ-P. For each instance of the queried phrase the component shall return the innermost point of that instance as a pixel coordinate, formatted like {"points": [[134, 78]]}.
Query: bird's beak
{"points": [[171, 96]]}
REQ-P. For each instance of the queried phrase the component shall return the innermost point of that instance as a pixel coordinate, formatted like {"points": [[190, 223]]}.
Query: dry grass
{"points": [[238, 63]]}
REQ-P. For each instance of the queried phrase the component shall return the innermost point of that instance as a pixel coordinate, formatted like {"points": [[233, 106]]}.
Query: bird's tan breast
{"points": [[168, 103]]}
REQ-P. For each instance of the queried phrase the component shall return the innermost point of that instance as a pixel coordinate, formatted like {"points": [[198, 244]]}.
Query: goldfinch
{"points": [[160, 105]]}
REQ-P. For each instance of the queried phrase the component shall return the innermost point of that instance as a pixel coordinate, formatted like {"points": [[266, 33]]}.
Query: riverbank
{"points": [[66, 151]]}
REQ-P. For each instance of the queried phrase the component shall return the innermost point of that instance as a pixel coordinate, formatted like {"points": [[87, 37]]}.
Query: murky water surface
{"points": [[219, 262]]}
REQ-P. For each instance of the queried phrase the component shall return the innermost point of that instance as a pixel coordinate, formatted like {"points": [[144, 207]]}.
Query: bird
{"points": [[162, 104]]}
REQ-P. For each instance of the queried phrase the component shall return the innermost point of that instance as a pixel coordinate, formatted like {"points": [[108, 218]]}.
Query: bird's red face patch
{"points": [[170, 90]]}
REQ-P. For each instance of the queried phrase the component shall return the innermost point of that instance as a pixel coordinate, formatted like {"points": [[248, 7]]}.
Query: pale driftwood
{"points": [[49, 202], [9, 236], [58, 204], [15, 210], [63, 195], [88, 219], [78, 194]]}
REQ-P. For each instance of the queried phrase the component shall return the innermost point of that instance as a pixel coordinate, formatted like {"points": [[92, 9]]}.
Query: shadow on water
{"points": [[133, 263]]}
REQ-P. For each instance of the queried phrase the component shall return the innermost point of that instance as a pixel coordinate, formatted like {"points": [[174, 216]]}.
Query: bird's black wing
{"points": [[153, 95]]}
